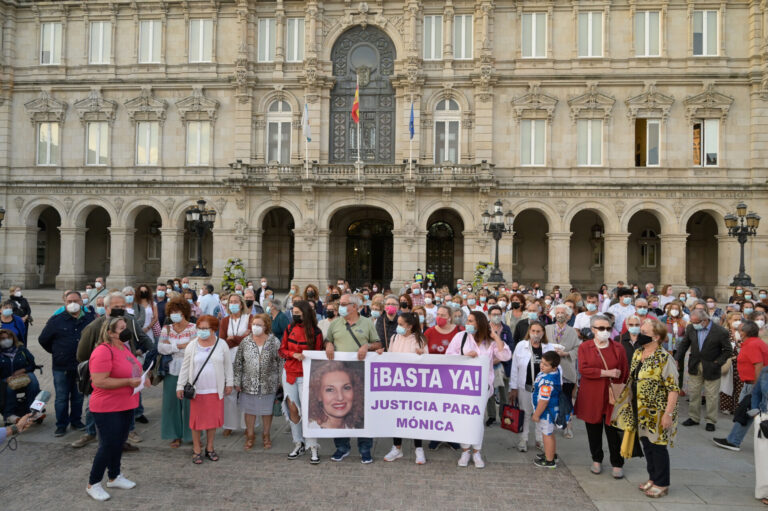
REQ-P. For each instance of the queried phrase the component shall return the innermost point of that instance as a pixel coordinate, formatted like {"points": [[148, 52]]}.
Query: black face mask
{"points": [[249, 303], [310, 294], [125, 335], [117, 313], [297, 319], [335, 296], [330, 314], [642, 340], [403, 305], [514, 305]]}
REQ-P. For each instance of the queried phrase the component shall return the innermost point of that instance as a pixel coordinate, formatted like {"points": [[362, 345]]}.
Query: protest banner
{"points": [[429, 397]]}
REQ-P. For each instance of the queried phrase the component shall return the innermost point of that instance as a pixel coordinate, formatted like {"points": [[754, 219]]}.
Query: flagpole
{"points": [[359, 141], [306, 142], [410, 147]]}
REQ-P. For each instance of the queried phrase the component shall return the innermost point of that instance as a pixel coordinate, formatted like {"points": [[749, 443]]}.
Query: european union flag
{"points": [[410, 124]]}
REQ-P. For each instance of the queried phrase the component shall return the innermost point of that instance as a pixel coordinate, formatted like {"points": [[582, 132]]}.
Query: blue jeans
{"points": [[30, 392], [69, 400], [760, 391], [738, 432], [364, 445], [113, 431]]}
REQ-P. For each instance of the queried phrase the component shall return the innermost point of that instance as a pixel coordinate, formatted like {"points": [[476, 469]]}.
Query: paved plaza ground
{"points": [[45, 472]]}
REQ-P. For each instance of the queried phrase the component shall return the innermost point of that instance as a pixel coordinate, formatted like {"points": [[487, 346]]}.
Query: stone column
{"points": [[253, 262], [727, 265], [309, 264], [507, 255], [477, 247], [406, 256], [673, 259], [615, 257], [223, 241], [72, 261], [172, 253], [558, 265], [19, 258], [121, 257]]}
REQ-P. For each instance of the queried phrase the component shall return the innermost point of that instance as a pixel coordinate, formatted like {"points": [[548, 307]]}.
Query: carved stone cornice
{"points": [[709, 104], [146, 107], [534, 105], [197, 107], [593, 104], [96, 108], [650, 104], [46, 108]]}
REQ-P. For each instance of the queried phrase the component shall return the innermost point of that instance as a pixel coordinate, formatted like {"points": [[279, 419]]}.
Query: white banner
{"points": [[429, 397]]}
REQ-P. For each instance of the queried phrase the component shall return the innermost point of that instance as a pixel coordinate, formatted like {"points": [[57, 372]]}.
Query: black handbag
{"points": [[189, 388]]}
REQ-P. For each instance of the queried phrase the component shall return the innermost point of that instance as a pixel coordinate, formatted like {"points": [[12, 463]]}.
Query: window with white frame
{"points": [[147, 142], [50, 44], [154, 247], [706, 137], [649, 248], [534, 34], [462, 36], [447, 124], [647, 142], [589, 150], [150, 41], [48, 143], [647, 34], [705, 33], [200, 40], [198, 143], [433, 37], [97, 143], [294, 40], [532, 141], [266, 40], [101, 42], [591, 34], [279, 133]]}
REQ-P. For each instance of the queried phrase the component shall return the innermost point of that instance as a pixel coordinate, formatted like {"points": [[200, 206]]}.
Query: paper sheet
{"points": [[143, 378]]}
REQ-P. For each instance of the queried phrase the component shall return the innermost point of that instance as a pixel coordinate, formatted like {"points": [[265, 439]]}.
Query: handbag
{"points": [[157, 329], [726, 366], [614, 389], [189, 388], [512, 418], [18, 382]]}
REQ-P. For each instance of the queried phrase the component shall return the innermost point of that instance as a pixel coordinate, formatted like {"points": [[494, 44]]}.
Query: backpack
{"points": [[84, 384]]}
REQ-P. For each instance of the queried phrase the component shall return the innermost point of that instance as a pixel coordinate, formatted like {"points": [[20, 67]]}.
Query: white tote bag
{"points": [[761, 460]]}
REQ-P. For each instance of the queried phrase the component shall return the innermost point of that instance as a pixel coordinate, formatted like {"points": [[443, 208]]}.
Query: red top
{"points": [[753, 351], [237, 339], [592, 399], [295, 341], [438, 342], [117, 363]]}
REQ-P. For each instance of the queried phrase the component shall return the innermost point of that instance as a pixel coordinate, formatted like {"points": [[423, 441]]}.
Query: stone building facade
{"points": [[619, 133]]}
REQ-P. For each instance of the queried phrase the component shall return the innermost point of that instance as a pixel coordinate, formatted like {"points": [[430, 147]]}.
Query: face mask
{"points": [[203, 334], [257, 329], [697, 326], [421, 319], [117, 313], [297, 318], [688, 296], [249, 303], [626, 300], [503, 304], [343, 311], [483, 298], [185, 286], [642, 311], [376, 314], [763, 296], [98, 285], [85, 301], [464, 295], [7, 312], [400, 330], [332, 314], [681, 298], [176, 317], [674, 313], [417, 291], [591, 307], [603, 336], [234, 308], [6, 343], [161, 294], [653, 290], [514, 305], [310, 294], [534, 338], [643, 339], [533, 316], [268, 309], [548, 301], [634, 330], [263, 284], [100, 311], [428, 301], [250, 286], [190, 300], [129, 299], [760, 323], [747, 297], [739, 291], [455, 305], [456, 320], [471, 301], [403, 305], [635, 290], [561, 318], [495, 320], [391, 309], [73, 307], [375, 289], [239, 292], [335, 296], [748, 310], [580, 303], [471, 329], [368, 297], [441, 322], [293, 292], [655, 305], [736, 324]]}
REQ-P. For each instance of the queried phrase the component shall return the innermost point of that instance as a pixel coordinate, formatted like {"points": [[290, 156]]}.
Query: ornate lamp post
{"points": [[200, 220], [737, 228], [497, 224]]}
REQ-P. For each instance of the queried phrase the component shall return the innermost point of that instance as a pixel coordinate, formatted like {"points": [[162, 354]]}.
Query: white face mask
{"points": [[6, 343], [674, 313], [760, 323], [73, 307], [98, 285], [603, 336], [17, 294], [257, 329]]}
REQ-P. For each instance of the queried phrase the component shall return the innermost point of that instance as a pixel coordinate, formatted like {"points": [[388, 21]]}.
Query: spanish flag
{"points": [[356, 105]]}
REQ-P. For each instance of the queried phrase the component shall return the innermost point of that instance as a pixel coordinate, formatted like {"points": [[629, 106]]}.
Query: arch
{"points": [[44, 253], [586, 251], [257, 215], [447, 93], [644, 246], [666, 218], [343, 26], [83, 209], [277, 246], [530, 245], [279, 95], [455, 205], [716, 211], [609, 218], [552, 217], [445, 245], [97, 220], [332, 209], [128, 216], [147, 243], [30, 212], [177, 217], [701, 251]]}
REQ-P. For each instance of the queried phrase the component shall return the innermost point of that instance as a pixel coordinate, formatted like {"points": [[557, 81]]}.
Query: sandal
{"points": [[764, 501], [267, 441], [249, 441], [596, 468], [656, 492], [176, 443], [197, 458], [211, 455], [227, 432], [645, 486]]}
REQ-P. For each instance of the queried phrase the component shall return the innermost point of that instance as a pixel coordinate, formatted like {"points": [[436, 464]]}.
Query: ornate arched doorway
{"points": [[365, 55]]}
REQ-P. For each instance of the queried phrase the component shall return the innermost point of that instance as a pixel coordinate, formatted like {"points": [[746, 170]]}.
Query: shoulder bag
{"points": [[614, 389], [189, 388], [349, 329]]}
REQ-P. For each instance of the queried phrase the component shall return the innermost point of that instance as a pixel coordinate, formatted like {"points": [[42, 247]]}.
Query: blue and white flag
{"points": [[410, 123], [305, 124]]}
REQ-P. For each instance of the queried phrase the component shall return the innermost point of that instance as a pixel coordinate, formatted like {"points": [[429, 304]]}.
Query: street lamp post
{"points": [[497, 224], [2, 216], [200, 220], [741, 226]]}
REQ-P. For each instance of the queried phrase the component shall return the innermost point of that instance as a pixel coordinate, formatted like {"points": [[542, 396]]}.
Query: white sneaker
{"points": [[393, 454], [568, 432], [464, 460], [121, 482], [314, 456], [540, 445], [298, 450], [420, 458], [133, 437], [522, 446], [478, 460], [97, 492]]}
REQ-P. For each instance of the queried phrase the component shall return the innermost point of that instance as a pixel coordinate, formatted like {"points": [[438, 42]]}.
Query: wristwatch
{"points": [[14, 429]]}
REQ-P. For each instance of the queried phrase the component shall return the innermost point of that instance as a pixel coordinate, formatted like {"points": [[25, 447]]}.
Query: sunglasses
{"points": [[601, 328]]}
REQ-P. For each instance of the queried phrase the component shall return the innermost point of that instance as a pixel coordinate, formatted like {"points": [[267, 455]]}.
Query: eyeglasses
{"points": [[601, 328]]}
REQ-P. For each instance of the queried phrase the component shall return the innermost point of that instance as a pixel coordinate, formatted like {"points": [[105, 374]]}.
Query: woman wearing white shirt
{"points": [[233, 329], [523, 374], [174, 423]]}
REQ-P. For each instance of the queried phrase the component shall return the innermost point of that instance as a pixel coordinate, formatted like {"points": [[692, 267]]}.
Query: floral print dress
{"points": [[728, 403]]}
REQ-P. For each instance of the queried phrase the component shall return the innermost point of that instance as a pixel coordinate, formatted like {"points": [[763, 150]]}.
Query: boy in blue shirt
{"points": [[546, 398]]}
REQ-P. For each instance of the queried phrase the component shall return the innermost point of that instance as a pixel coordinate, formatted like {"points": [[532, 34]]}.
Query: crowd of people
{"points": [[621, 358]]}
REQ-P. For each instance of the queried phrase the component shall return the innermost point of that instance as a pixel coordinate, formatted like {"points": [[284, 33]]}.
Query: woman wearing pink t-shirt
{"points": [[115, 373]]}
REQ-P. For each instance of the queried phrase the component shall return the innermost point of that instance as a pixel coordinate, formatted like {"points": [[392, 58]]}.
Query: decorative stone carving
{"points": [[447, 193], [240, 203], [410, 196], [274, 192], [68, 201], [96, 108], [593, 104], [197, 107], [709, 104], [46, 109], [19, 201], [241, 227], [145, 107], [650, 104], [359, 193], [118, 203], [764, 87], [534, 105], [220, 204], [619, 207], [677, 206], [309, 197], [561, 206], [310, 232], [169, 203], [410, 231], [486, 80]]}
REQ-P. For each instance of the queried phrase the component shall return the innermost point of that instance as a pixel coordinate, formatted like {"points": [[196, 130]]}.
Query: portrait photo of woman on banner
{"points": [[336, 394]]}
